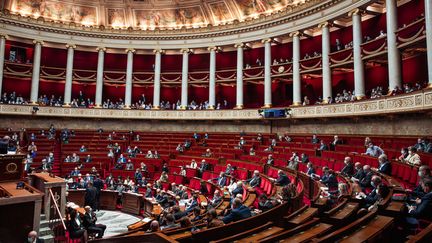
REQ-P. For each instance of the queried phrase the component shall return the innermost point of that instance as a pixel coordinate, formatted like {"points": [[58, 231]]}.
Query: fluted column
{"points": [[100, 76], [156, 89], [428, 19], [326, 71], [212, 77], [36, 71], [393, 55], [267, 73], [69, 74], [129, 70], [239, 81], [359, 81], [185, 76], [2, 58], [296, 68]]}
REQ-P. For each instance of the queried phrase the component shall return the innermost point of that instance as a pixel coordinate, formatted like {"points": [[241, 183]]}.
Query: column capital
{"points": [[159, 51], [3, 36], [101, 48], [214, 48], [186, 50], [41, 42], [353, 12], [130, 50], [73, 46], [323, 24], [294, 34], [239, 45], [267, 40]]}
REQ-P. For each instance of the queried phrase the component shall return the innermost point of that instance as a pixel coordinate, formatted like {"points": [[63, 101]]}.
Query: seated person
{"points": [[90, 223], [238, 212], [379, 191], [310, 169], [170, 222], [203, 188], [193, 164], [149, 155], [358, 172], [193, 202], [270, 160], [252, 151], [323, 146], [129, 165], [217, 198], [148, 192], [384, 165], [255, 181], [282, 179], [423, 206], [264, 203], [373, 150], [304, 158], [75, 158], [163, 177], [208, 153], [203, 167], [88, 159], [196, 215], [228, 169], [329, 179], [221, 180], [83, 149], [75, 227], [315, 139], [424, 173], [212, 220], [236, 188], [413, 158], [121, 159], [177, 213], [365, 182], [348, 169]]}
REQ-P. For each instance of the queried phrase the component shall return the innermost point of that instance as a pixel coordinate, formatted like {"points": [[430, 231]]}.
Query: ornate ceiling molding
{"points": [[280, 23]]}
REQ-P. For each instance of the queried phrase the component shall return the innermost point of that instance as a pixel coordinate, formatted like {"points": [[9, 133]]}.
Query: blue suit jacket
{"points": [[238, 190], [424, 209], [283, 180], [385, 168], [237, 214]]}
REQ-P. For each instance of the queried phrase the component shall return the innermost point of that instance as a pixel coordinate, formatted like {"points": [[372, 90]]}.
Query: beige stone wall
{"points": [[412, 124]]}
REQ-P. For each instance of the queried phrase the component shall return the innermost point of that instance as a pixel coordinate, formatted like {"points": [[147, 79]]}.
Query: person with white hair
{"points": [[255, 181], [33, 237]]}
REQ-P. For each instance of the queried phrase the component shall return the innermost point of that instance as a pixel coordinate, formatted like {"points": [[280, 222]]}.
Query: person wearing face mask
{"points": [[384, 165], [413, 158], [424, 173], [238, 212], [348, 169], [33, 237], [404, 154], [90, 223], [379, 191]]}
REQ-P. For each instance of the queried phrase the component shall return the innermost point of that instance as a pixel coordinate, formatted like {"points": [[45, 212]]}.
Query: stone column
{"points": [[2, 58], [156, 89], [296, 69], [100, 76], [36, 71], [239, 81], [326, 71], [69, 74], [359, 81], [428, 19], [267, 73], [129, 70], [393, 55], [185, 77], [212, 77]]}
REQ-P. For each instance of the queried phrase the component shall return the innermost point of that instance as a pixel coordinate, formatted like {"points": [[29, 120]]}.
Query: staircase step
{"points": [[42, 217], [47, 238], [44, 223]]}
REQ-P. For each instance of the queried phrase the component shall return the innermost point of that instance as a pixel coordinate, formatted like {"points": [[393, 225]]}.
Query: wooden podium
{"points": [[20, 207], [44, 182], [107, 199], [132, 203]]}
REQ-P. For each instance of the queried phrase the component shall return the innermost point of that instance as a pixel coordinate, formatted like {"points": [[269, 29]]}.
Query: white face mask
{"points": [[420, 174]]}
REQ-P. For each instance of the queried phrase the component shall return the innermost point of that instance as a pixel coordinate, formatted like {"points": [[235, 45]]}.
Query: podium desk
{"points": [[108, 199], [11, 167], [151, 207], [76, 196], [132, 202], [44, 182]]}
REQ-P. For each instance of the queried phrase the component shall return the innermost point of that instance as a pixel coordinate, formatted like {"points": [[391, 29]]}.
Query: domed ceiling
{"points": [[152, 14]]}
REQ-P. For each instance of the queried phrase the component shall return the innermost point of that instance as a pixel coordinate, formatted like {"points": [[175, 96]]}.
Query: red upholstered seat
{"points": [[414, 176]]}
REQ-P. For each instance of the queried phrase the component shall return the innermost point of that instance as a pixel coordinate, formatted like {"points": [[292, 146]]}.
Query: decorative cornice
{"points": [[73, 46]]}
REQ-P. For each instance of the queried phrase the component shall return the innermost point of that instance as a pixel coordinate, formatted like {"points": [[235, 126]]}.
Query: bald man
{"points": [[33, 237]]}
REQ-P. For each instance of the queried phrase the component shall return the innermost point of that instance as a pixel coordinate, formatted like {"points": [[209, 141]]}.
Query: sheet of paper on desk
{"points": [[146, 220]]}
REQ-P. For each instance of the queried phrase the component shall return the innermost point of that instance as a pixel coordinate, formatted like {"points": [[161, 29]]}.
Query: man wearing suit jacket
{"points": [[384, 165], [33, 238], [203, 167], [193, 204], [255, 181], [221, 180], [237, 190], [423, 207], [348, 169], [90, 195], [238, 212], [359, 173], [424, 173], [90, 223], [366, 181], [379, 191], [282, 179]]}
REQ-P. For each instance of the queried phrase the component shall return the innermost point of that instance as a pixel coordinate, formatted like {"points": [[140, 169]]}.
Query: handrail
{"points": [[57, 208]]}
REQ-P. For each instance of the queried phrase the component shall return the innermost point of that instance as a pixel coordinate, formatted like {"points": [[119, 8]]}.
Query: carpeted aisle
{"points": [[116, 222]]}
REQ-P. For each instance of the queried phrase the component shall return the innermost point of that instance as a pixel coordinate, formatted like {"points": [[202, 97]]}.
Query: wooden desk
{"points": [[394, 209], [307, 214], [11, 167], [372, 229], [345, 212], [108, 199], [132, 203], [20, 211], [44, 182], [308, 234], [76, 196], [261, 235]]}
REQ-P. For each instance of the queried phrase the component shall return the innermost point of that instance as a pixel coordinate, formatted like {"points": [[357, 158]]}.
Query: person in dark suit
{"points": [[237, 190], [329, 179], [203, 167], [217, 198], [90, 223], [348, 169], [358, 172], [384, 165], [282, 179], [221, 180], [238, 212], [177, 213], [366, 181], [264, 203], [310, 169], [423, 207], [424, 173], [255, 181], [33, 237], [99, 185], [193, 203], [323, 146], [148, 192], [335, 142], [4, 145], [75, 227], [315, 139], [379, 191], [90, 195]]}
